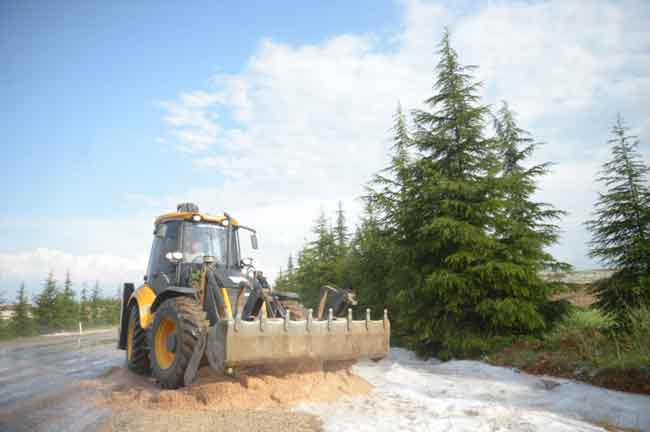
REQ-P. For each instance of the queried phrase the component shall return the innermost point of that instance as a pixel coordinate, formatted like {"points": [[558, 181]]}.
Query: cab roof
{"points": [[190, 216]]}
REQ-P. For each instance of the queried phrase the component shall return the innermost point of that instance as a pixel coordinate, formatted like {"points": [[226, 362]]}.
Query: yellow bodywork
{"points": [[226, 300], [144, 297], [189, 215]]}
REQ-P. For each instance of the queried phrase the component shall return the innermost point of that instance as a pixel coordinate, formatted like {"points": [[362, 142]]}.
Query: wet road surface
{"points": [[41, 382], [60, 383]]}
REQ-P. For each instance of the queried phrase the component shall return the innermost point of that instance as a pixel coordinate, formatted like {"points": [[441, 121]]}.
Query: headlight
{"points": [[237, 279], [196, 218]]}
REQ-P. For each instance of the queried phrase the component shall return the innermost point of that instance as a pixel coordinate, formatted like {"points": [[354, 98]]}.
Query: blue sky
{"points": [[114, 111], [82, 81]]}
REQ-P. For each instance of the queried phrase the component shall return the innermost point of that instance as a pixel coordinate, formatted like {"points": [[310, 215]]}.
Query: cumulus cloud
{"points": [[311, 121], [33, 265], [302, 126], [195, 128]]}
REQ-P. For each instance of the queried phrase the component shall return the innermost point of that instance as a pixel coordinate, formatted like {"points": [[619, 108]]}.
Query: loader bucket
{"points": [[236, 343]]}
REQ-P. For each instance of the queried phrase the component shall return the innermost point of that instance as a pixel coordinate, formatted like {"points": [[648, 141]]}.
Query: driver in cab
{"points": [[195, 252]]}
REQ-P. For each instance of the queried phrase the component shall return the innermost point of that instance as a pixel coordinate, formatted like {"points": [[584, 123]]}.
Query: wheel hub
{"points": [[171, 342]]}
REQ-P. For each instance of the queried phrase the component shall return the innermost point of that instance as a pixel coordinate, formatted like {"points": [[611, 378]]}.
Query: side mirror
{"points": [[174, 257], [254, 241]]}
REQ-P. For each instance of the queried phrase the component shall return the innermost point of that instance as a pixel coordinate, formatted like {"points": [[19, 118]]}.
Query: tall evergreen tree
{"points": [[319, 263], [46, 310], [372, 265], [285, 280], [523, 227], [21, 323], [387, 191], [84, 304], [444, 214], [378, 253], [621, 227], [290, 268], [95, 304], [67, 305], [341, 235], [280, 281]]}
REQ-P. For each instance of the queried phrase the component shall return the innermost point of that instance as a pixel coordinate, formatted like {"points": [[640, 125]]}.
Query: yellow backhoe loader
{"points": [[202, 303]]}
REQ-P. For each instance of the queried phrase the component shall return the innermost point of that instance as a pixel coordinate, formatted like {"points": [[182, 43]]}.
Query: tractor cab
{"points": [[186, 240]]}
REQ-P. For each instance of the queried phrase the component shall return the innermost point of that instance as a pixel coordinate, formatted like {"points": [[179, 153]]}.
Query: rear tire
{"points": [[173, 336], [137, 348]]}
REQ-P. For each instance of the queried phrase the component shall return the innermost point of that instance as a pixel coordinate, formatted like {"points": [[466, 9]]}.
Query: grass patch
{"points": [[585, 345]]}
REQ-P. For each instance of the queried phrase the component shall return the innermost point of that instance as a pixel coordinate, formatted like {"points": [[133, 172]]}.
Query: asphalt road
{"points": [[41, 382]]}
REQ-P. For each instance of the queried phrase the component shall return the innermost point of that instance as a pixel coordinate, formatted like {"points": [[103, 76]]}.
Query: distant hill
{"points": [[580, 277]]}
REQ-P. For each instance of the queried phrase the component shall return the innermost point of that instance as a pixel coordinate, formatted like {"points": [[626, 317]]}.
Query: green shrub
{"points": [[555, 311], [639, 331], [586, 329]]}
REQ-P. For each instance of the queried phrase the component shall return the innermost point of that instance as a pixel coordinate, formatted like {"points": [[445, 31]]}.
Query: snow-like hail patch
{"points": [[415, 395]]}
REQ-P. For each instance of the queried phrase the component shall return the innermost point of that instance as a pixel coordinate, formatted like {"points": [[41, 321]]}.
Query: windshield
{"points": [[201, 239]]}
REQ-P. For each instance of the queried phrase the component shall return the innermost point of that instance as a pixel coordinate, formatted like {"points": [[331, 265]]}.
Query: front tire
{"points": [[173, 336], [137, 349]]}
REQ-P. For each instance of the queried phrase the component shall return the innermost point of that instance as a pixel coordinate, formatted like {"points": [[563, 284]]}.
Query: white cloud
{"points": [[33, 265], [300, 127], [195, 128], [313, 120]]}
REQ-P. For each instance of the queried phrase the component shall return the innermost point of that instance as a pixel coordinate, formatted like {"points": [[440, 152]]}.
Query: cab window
{"points": [[165, 240]]}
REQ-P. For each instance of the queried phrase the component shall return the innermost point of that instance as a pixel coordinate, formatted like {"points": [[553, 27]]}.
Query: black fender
{"points": [[127, 291], [171, 292]]}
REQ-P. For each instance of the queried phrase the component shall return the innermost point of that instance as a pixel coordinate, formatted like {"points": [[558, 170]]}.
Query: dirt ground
{"points": [[76, 383], [257, 400], [271, 420]]}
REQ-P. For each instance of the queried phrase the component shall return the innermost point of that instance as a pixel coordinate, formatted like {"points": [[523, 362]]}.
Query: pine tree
{"points": [[46, 310], [67, 306], [372, 266], [621, 227], [21, 323], [442, 206], [387, 190], [280, 281], [84, 316], [324, 245], [95, 304], [524, 228], [113, 307], [341, 235], [290, 268], [318, 263], [447, 211]]}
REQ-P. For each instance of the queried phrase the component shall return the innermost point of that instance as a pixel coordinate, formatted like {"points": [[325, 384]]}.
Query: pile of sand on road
{"points": [[250, 389]]}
